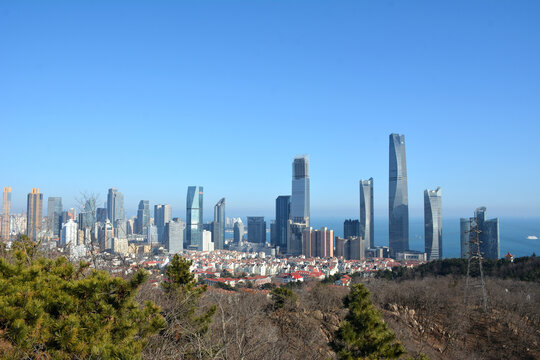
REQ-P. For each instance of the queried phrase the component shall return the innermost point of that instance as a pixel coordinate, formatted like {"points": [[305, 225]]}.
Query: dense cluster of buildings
{"points": [[106, 229]]}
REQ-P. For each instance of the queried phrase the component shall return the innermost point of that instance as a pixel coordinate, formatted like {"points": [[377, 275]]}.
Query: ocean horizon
{"points": [[513, 236]]}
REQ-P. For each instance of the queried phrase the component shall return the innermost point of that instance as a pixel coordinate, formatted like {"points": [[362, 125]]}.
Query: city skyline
{"points": [[117, 76]]}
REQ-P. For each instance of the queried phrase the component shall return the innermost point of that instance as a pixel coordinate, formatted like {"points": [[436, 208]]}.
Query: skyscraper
{"points": [[143, 216], [299, 205], [283, 214], [174, 236], [115, 205], [366, 212], [238, 231], [162, 215], [194, 216], [34, 212], [398, 205], [5, 229], [464, 232], [489, 234], [256, 229], [433, 223], [54, 215], [300, 190], [351, 228], [218, 232]]}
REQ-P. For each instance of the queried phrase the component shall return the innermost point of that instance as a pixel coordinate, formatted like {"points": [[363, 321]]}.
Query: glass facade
{"points": [[256, 229], [398, 204], [300, 190], [54, 215], [194, 216], [115, 205], [283, 214], [366, 212], [162, 215], [433, 223], [218, 231], [489, 234], [143, 216]]}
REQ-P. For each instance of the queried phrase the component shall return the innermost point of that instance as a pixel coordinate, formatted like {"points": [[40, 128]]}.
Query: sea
{"points": [[517, 236]]}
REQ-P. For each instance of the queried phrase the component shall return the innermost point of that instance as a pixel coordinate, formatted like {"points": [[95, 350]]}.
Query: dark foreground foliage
{"points": [[363, 334], [524, 268], [53, 309]]}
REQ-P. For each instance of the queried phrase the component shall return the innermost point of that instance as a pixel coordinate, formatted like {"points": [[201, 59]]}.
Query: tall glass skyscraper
{"points": [[54, 215], [489, 234], [283, 214], [300, 190], [256, 229], [115, 205], [162, 215], [299, 205], [398, 204], [366, 212], [143, 216], [433, 223], [218, 231], [194, 216]]}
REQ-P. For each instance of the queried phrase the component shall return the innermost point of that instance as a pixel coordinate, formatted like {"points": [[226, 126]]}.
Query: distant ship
{"points": [[532, 237]]}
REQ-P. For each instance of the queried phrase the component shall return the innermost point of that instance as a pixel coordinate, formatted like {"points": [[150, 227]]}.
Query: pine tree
{"points": [[363, 334], [50, 308], [188, 325]]}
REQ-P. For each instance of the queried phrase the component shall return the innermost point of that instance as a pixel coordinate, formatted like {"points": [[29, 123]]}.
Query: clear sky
{"points": [[153, 96]]}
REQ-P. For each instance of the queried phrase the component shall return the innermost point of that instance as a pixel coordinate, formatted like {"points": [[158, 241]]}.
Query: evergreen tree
{"points": [[53, 309], [281, 296], [363, 334], [188, 325]]}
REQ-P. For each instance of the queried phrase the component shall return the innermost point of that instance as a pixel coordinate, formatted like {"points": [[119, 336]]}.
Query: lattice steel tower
{"points": [[474, 266]]}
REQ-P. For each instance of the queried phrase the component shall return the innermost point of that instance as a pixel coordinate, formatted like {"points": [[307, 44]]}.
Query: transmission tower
{"points": [[474, 266]]}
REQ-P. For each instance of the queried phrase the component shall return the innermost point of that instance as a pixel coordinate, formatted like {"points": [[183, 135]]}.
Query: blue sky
{"points": [[151, 97]]}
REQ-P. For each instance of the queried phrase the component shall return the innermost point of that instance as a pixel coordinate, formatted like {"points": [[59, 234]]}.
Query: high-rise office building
{"points": [[174, 236], [300, 205], [87, 218], [101, 215], [151, 234], [300, 190], [256, 229], [194, 216], [351, 228], [489, 234], [5, 225], [162, 215], [464, 234], [54, 215], [218, 231], [433, 223], [143, 216], [366, 212], [318, 243], [398, 205], [283, 215], [238, 231], [34, 212], [115, 205]]}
